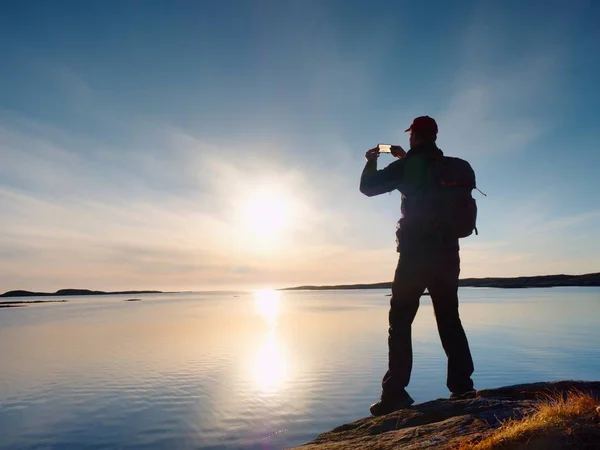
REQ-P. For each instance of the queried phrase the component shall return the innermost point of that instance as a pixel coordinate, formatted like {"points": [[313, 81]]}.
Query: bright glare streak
{"points": [[266, 305], [270, 366]]}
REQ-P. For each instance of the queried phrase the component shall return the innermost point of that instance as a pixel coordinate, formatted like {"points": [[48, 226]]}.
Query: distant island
{"points": [[71, 292], [542, 281]]}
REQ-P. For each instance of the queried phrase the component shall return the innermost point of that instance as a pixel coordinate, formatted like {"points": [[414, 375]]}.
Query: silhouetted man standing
{"points": [[429, 258]]}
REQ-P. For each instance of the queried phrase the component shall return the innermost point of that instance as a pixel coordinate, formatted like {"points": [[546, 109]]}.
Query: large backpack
{"points": [[444, 204]]}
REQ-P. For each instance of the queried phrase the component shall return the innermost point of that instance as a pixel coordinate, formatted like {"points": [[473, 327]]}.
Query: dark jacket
{"points": [[407, 175]]}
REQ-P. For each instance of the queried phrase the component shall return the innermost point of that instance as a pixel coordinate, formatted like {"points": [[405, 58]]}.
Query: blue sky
{"points": [[155, 144]]}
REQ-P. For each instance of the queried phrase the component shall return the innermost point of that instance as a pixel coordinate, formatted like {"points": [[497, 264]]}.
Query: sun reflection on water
{"points": [[266, 305], [270, 368], [270, 365]]}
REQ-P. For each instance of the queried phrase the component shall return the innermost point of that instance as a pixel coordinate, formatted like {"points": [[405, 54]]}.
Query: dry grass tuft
{"points": [[557, 422]]}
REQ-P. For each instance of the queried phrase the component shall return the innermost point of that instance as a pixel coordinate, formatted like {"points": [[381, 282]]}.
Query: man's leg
{"points": [[407, 288], [443, 287]]}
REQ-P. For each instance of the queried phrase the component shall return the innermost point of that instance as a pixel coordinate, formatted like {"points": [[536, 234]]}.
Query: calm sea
{"points": [[264, 371]]}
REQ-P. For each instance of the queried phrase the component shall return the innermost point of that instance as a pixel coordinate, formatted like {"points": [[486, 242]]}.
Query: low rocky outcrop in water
{"points": [[21, 304], [72, 292], [478, 423]]}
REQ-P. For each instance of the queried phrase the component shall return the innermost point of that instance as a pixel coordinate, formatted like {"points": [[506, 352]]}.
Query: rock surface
{"points": [[442, 424]]}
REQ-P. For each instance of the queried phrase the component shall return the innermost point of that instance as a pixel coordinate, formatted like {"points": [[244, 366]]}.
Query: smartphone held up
{"points": [[395, 150]]}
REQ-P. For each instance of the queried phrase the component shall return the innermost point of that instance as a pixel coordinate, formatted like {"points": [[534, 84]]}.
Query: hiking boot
{"points": [[463, 395], [387, 406]]}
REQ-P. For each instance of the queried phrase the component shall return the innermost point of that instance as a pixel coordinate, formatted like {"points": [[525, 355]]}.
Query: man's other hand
{"points": [[372, 154], [397, 151]]}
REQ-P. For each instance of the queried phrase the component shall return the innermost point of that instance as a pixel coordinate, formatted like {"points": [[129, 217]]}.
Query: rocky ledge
{"points": [[552, 415]]}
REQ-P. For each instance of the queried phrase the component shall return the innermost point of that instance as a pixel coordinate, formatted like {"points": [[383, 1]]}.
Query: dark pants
{"points": [[439, 274]]}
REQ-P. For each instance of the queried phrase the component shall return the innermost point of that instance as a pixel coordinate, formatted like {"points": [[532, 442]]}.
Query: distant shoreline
{"points": [[71, 292], [542, 281]]}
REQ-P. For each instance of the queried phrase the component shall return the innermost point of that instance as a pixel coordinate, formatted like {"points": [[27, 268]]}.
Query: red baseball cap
{"points": [[424, 125]]}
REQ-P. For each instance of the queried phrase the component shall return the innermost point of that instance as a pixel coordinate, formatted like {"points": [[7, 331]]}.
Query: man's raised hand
{"points": [[372, 154], [397, 151]]}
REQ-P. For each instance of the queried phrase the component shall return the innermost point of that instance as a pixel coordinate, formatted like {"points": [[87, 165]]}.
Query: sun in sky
{"points": [[266, 215], [266, 212]]}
